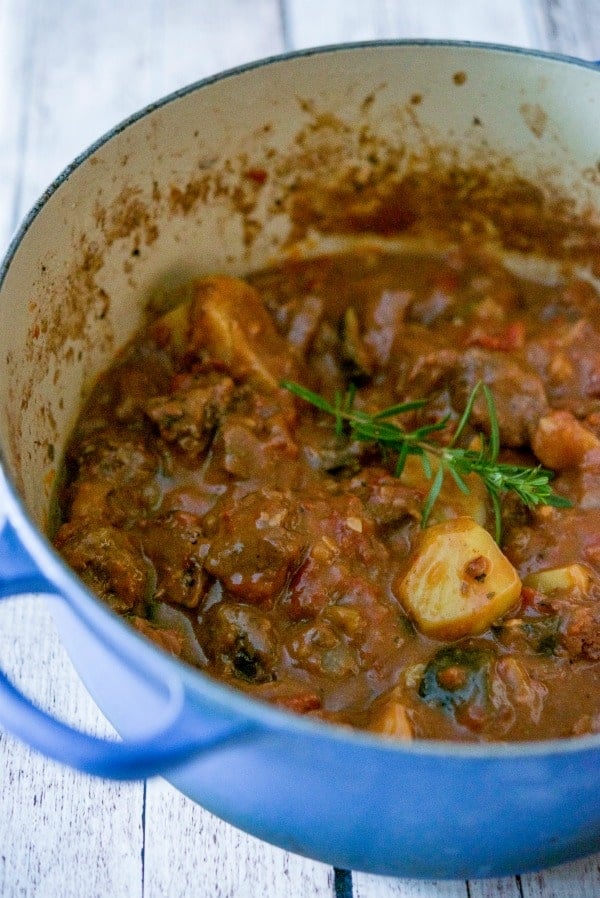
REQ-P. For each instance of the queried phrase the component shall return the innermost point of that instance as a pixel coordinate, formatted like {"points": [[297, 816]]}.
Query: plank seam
{"points": [[342, 881]]}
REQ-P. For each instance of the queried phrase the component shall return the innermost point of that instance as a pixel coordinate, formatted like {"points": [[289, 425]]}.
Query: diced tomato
{"points": [[509, 339]]}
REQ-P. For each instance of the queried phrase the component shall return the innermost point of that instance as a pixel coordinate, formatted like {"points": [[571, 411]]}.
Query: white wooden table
{"points": [[69, 70]]}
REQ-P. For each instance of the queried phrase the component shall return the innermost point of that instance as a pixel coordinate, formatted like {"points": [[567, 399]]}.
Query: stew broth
{"points": [[237, 527]]}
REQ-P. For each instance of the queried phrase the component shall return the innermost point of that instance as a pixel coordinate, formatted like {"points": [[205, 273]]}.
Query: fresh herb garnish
{"points": [[530, 484]]}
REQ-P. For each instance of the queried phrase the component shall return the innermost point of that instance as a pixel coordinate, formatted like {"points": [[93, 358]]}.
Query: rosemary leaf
{"points": [[432, 495]]}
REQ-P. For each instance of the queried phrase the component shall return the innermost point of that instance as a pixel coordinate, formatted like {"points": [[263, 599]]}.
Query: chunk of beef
{"points": [[109, 562], [254, 547], [326, 588], [116, 478], [249, 448], [189, 418], [518, 392], [339, 533], [581, 636], [244, 453], [568, 360], [323, 648], [117, 457], [242, 639], [387, 500], [172, 543]]}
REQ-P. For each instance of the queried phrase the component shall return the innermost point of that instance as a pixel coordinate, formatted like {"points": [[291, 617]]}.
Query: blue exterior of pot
{"points": [[349, 799]]}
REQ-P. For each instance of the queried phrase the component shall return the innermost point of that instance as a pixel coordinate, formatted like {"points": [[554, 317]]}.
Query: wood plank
{"points": [[92, 67], [202, 39], [568, 26], [314, 22], [577, 880], [507, 887], [368, 886], [92, 64], [16, 25], [210, 857], [496, 21], [62, 833], [69, 71]]}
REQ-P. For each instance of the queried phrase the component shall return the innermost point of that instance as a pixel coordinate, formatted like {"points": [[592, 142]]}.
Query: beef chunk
{"points": [[322, 648], [189, 418], [172, 544], [581, 637], [116, 478], [518, 393], [386, 499], [115, 456], [253, 549], [568, 359], [256, 435], [241, 638], [109, 562]]}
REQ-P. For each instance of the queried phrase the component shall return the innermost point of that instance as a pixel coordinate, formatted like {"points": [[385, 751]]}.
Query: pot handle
{"points": [[158, 754], [177, 742]]}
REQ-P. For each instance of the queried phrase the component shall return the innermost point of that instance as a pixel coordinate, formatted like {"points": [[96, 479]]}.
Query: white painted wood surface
{"points": [[69, 69]]}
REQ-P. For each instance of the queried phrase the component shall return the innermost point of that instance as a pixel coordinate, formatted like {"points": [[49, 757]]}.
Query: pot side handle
{"points": [[160, 752]]}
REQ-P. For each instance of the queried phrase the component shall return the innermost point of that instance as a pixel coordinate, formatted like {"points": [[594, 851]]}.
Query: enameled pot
{"points": [[205, 181]]}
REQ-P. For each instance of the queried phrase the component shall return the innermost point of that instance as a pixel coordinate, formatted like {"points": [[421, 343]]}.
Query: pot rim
{"points": [[106, 624]]}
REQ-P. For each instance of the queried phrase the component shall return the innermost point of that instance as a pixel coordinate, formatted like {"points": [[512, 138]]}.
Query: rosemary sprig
{"points": [[530, 484]]}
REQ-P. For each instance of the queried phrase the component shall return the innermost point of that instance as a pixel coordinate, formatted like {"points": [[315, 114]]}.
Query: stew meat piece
{"points": [[233, 524]]}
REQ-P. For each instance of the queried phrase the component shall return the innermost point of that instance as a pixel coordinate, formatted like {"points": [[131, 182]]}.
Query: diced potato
{"points": [[522, 687], [458, 581], [173, 327], [228, 318], [392, 720], [571, 576], [451, 502], [561, 441]]}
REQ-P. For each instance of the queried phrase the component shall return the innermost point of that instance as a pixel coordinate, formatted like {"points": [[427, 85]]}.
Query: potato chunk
{"points": [[458, 581], [560, 441], [228, 318], [451, 502], [171, 329], [390, 717], [571, 576]]}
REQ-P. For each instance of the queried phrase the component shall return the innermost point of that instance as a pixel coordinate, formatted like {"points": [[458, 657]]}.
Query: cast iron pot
{"points": [[204, 181]]}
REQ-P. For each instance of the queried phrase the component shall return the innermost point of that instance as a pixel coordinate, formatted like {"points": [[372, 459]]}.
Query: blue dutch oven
{"points": [[150, 205]]}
